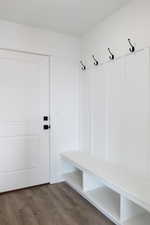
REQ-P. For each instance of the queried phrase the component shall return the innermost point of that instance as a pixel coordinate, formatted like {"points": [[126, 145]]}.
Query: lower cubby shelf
{"points": [[133, 214], [107, 200], [143, 219], [103, 198]]}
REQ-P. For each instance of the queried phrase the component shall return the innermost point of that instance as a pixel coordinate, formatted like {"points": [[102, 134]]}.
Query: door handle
{"points": [[46, 127], [45, 118]]}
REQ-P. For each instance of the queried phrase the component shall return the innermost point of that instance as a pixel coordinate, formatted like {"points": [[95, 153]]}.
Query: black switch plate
{"points": [[45, 118]]}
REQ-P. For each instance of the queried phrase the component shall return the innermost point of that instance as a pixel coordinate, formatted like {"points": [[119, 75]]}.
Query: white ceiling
{"points": [[68, 16]]}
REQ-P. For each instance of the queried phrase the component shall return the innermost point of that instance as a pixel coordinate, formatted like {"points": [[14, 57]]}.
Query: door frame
{"points": [[50, 88]]}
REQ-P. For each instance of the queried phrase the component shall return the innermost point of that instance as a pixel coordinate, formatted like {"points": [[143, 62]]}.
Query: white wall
{"points": [[16, 36], [132, 21], [65, 52]]}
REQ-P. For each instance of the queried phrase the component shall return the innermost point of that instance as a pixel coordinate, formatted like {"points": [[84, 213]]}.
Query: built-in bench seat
{"points": [[123, 196]]}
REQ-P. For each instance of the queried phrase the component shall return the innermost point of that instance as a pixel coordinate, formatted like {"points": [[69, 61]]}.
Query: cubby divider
{"points": [[107, 201], [90, 182], [74, 179]]}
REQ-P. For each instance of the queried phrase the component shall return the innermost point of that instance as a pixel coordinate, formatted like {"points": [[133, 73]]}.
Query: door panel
{"points": [[22, 153], [24, 100]]}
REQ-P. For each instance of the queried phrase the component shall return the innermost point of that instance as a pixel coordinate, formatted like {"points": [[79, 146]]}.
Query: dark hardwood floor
{"points": [[54, 204]]}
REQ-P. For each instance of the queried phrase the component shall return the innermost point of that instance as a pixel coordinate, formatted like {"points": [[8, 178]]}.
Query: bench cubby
{"points": [[74, 179], [132, 214]]}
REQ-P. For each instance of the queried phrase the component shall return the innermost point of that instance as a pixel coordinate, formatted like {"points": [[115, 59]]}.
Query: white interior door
{"points": [[24, 101]]}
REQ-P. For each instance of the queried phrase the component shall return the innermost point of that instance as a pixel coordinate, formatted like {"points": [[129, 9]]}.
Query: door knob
{"points": [[46, 127]]}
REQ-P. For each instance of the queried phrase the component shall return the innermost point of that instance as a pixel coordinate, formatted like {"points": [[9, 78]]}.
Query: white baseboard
{"points": [[56, 180]]}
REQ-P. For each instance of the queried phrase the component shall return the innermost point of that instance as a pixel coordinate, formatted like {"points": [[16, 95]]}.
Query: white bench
{"points": [[122, 196]]}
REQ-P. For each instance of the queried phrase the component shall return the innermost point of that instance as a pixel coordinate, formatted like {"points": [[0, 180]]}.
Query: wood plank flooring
{"points": [[56, 204]]}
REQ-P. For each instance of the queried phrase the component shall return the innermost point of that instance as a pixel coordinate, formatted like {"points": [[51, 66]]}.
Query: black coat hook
{"points": [[111, 57], [132, 49], [83, 67], [95, 60]]}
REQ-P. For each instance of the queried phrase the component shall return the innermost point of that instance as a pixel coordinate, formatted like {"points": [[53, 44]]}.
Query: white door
{"points": [[24, 101]]}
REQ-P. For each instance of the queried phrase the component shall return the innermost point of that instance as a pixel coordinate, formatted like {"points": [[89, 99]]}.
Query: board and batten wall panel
{"points": [[114, 72], [97, 90], [131, 21], [129, 112], [119, 93], [135, 111], [84, 112]]}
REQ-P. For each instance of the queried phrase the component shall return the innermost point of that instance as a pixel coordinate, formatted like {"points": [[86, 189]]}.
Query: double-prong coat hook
{"points": [[111, 57], [83, 67], [95, 60], [132, 49]]}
